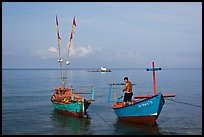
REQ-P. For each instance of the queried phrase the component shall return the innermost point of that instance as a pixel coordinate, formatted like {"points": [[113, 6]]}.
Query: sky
{"points": [[109, 34]]}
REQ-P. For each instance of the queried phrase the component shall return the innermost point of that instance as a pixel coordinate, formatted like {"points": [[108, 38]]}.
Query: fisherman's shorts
{"points": [[128, 97]]}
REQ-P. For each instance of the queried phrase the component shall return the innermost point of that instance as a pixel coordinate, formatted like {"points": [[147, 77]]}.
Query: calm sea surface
{"points": [[26, 106]]}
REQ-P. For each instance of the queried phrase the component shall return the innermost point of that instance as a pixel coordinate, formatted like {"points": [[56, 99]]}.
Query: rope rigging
{"points": [[184, 103]]}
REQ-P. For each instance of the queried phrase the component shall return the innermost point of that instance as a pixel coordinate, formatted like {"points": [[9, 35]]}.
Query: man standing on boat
{"points": [[128, 89]]}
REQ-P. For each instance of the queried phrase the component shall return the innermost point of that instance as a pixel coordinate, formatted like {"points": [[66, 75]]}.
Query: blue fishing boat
{"points": [[146, 110], [67, 100]]}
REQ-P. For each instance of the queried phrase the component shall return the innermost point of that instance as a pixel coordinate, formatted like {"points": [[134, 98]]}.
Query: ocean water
{"points": [[27, 109]]}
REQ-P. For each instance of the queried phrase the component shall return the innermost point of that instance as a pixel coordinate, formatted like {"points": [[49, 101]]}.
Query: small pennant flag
{"points": [[58, 35], [56, 20], [56, 24], [74, 21], [72, 32], [71, 36]]}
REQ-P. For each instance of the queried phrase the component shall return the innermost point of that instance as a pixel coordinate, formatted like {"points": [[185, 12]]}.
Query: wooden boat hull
{"points": [[145, 111], [74, 109]]}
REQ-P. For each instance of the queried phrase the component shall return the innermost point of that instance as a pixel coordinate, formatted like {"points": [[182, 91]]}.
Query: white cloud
{"points": [[83, 51], [46, 53], [53, 49], [52, 52]]}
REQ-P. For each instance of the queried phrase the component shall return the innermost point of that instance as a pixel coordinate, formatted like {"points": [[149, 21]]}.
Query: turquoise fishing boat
{"points": [[73, 108], [67, 100], [146, 110]]}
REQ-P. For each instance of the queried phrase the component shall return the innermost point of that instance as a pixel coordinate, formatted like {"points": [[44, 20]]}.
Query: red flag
{"points": [[58, 35], [74, 21], [56, 20], [70, 37], [57, 28]]}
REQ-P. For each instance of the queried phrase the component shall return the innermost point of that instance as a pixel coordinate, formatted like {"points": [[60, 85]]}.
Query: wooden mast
{"points": [[153, 69], [154, 78], [69, 45], [60, 59]]}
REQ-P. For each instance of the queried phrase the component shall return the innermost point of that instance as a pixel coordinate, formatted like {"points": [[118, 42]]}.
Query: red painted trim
{"points": [[147, 120], [75, 114]]}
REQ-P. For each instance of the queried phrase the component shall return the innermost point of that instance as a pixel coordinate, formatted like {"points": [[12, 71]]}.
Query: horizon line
{"points": [[114, 68]]}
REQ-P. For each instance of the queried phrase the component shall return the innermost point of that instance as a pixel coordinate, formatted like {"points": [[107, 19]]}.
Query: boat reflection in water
{"points": [[128, 128], [69, 124]]}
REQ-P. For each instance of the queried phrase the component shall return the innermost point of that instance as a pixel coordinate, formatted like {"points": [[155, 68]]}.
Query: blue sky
{"points": [[111, 34]]}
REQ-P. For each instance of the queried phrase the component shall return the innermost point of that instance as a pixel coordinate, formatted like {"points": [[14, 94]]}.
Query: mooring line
{"points": [[184, 103], [106, 122]]}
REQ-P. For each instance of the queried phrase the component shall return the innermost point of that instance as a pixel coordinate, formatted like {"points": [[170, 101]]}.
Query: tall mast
{"points": [[60, 59], [69, 45], [154, 78], [153, 69]]}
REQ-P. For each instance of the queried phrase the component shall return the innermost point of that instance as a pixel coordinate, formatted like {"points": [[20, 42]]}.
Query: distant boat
{"points": [[66, 100], [144, 111], [103, 69]]}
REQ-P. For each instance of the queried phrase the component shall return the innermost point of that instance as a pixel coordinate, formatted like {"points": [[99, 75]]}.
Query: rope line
{"points": [[105, 121], [184, 103]]}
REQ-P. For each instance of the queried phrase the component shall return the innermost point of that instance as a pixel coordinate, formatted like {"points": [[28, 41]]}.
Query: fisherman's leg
{"points": [[125, 98], [130, 98]]}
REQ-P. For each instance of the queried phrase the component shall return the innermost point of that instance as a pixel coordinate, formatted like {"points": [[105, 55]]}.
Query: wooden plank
{"points": [[169, 95], [139, 97], [149, 96]]}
